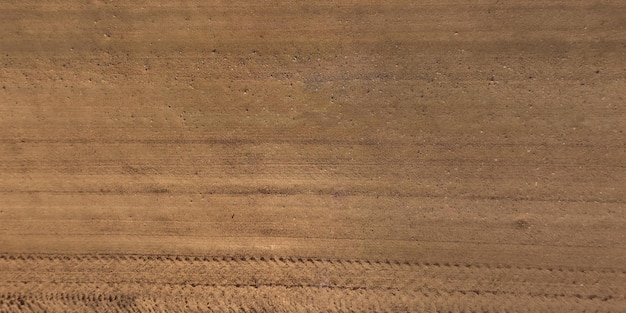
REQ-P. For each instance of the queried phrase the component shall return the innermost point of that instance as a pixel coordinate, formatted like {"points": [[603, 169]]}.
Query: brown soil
{"points": [[336, 156]]}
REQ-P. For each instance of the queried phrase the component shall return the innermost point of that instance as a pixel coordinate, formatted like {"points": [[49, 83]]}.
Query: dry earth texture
{"points": [[291, 156]]}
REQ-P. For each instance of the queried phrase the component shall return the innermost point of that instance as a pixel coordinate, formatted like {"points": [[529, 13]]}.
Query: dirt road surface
{"points": [[294, 156]]}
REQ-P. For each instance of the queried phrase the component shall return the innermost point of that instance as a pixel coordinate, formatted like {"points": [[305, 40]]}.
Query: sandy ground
{"points": [[336, 156]]}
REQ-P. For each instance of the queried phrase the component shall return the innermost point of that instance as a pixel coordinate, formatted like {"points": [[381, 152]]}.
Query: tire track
{"points": [[144, 282], [307, 261], [184, 298]]}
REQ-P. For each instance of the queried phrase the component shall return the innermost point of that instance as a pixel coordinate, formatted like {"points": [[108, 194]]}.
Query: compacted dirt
{"points": [[336, 156]]}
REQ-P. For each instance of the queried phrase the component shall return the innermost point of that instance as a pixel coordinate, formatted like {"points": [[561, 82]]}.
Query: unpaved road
{"points": [[437, 156]]}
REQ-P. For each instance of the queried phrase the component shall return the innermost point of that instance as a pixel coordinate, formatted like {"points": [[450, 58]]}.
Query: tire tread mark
{"points": [[128, 298], [83, 282], [345, 263]]}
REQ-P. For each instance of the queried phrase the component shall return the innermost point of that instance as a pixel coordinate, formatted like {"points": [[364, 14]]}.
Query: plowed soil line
{"points": [[336, 156]]}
